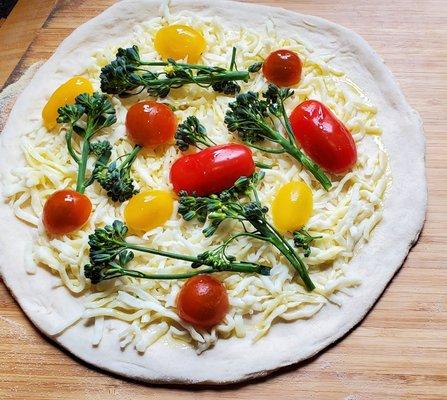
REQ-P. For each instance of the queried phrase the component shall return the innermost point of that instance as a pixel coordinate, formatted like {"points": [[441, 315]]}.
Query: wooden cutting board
{"points": [[400, 350]]}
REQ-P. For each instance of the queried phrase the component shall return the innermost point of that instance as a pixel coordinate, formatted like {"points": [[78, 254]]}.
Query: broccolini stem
{"points": [[120, 271], [71, 151], [266, 149], [298, 264], [248, 268], [313, 168], [208, 143], [199, 79], [262, 165], [162, 253], [271, 235], [234, 267], [117, 271], [286, 124], [81, 181], [130, 158], [233, 59], [271, 134], [184, 65], [238, 235]]}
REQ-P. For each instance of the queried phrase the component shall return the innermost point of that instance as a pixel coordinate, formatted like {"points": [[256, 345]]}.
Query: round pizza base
{"points": [[50, 305]]}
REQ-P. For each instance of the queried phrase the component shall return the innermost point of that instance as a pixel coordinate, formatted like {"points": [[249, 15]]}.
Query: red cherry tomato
{"points": [[150, 123], [202, 301], [323, 137], [212, 170], [283, 68], [66, 211]]}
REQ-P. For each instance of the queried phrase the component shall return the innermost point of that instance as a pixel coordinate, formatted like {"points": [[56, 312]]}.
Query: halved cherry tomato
{"points": [[283, 68], [149, 209], [323, 137], [292, 206], [203, 301], [66, 211], [179, 42], [64, 94], [150, 123], [212, 170]]}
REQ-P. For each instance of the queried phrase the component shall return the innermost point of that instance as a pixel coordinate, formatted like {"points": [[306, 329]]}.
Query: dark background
{"points": [[6, 7]]}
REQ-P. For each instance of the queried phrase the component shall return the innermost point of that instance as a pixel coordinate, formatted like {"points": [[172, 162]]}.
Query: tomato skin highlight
{"points": [[323, 137], [283, 68], [212, 170], [203, 301], [150, 123], [66, 211]]}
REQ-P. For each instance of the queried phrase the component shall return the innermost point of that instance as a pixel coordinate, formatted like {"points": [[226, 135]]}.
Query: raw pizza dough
{"points": [[50, 305]]}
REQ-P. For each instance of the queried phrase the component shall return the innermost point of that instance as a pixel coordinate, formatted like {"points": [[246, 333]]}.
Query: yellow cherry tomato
{"points": [[64, 94], [179, 42], [148, 210], [292, 206]]}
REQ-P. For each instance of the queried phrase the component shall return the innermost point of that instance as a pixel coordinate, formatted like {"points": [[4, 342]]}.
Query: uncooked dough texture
{"points": [[49, 305]]}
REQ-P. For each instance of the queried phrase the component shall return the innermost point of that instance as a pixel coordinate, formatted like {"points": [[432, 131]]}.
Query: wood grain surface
{"points": [[400, 350], [19, 30]]}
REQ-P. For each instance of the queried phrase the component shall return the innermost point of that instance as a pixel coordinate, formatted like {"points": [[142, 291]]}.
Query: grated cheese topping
{"points": [[345, 216]]}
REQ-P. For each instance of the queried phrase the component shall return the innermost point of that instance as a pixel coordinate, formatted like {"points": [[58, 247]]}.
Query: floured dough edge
{"points": [[49, 306], [8, 95]]}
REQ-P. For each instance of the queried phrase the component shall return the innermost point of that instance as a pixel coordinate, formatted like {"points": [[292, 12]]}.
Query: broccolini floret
{"points": [[241, 203], [128, 74], [253, 119], [114, 177], [86, 118]]}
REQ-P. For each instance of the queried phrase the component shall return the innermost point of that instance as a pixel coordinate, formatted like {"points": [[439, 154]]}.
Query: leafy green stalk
{"points": [[113, 177], [241, 203], [128, 74], [254, 121], [86, 118], [110, 253]]}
